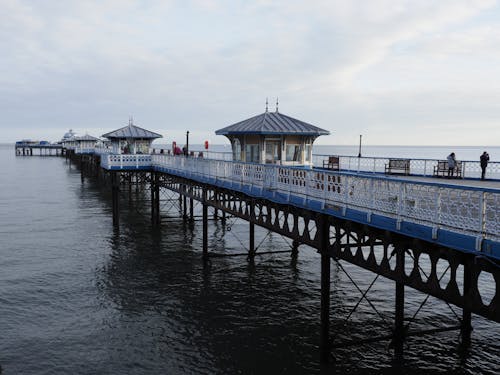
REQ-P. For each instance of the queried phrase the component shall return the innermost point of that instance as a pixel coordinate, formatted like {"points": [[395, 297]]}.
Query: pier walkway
{"points": [[436, 235], [459, 213]]}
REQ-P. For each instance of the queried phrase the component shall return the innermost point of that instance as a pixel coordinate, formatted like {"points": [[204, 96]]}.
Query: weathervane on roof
{"points": [[277, 104], [266, 105]]}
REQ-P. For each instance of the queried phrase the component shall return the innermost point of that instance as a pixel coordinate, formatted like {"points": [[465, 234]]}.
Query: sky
{"points": [[396, 72]]}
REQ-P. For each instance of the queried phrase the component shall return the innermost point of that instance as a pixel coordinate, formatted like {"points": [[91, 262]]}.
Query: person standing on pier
{"points": [[484, 159], [452, 163]]}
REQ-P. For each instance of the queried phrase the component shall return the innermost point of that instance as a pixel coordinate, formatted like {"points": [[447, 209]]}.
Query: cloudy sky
{"points": [[396, 71]]}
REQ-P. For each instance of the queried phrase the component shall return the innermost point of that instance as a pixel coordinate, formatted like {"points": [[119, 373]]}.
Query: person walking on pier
{"points": [[484, 159], [452, 163]]}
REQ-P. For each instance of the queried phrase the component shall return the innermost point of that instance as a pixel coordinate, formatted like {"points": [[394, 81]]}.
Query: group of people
{"points": [[176, 150], [483, 160]]}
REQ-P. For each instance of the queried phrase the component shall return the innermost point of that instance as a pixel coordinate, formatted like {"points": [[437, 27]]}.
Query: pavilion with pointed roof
{"points": [[72, 141], [131, 139], [86, 141], [272, 138]]}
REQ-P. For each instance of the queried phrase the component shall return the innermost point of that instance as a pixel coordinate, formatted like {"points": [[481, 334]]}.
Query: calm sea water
{"points": [[78, 297]]}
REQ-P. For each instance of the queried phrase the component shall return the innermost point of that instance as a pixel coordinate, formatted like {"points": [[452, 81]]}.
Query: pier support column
{"points": [[191, 209], [155, 199], [205, 226], [82, 166], [466, 326], [184, 199], [295, 248], [222, 198], [399, 330], [325, 347], [115, 190], [251, 248], [216, 211]]}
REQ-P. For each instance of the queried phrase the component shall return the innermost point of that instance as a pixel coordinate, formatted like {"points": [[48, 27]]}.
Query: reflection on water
{"points": [[76, 296]]}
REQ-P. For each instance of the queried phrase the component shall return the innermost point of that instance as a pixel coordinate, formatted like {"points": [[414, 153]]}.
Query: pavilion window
{"points": [[292, 152], [252, 153], [236, 150], [125, 147], [142, 147]]}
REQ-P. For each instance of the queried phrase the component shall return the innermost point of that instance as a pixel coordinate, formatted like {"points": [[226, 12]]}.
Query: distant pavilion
{"points": [[272, 138], [86, 141], [131, 139]]}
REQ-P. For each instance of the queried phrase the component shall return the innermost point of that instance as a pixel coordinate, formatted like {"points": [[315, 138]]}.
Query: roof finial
{"points": [[277, 104], [130, 121], [266, 105]]}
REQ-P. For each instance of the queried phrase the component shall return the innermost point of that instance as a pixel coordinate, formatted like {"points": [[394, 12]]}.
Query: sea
{"points": [[78, 296]]}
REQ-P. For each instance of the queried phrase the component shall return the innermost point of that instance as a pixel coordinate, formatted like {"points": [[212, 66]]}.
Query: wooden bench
{"points": [[333, 162], [441, 169], [398, 166]]}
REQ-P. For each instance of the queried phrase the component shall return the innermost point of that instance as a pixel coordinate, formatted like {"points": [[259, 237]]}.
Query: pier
{"points": [[39, 149], [440, 237], [401, 219]]}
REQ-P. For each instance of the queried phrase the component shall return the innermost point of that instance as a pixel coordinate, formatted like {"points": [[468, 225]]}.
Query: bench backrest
{"points": [[333, 160], [443, 164], [399, 163]]}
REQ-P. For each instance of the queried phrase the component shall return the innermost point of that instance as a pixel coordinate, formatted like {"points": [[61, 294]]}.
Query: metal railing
{"points": [[85, 150], [418, 167], [460, 209], [128, 161], [102, 151], [376, 165]]}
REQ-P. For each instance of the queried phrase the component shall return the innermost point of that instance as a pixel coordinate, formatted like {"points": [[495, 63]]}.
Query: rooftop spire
{"points": [[277, 104], [267, 103], [130, 121]]}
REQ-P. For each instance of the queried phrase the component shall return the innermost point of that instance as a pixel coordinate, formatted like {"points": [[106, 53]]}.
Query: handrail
{"points": [[460, 209], [375, 165], [418, 166], [377, 200]]}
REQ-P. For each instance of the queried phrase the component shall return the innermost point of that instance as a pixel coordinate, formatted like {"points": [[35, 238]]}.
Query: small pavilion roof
{"points": [[86, 137], [132, 131], [272, 123]]}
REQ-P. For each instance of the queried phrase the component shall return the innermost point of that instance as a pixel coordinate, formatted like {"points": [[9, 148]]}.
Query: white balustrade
{"points": [[459, 209], [465, 210], [127, 161]]}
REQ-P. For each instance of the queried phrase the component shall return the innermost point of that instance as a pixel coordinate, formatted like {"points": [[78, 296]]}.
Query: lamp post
{"points": [[359, 154]]}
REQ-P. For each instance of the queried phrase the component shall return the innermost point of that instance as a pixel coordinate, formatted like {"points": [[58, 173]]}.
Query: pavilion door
{"points": [[273, 152]]}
